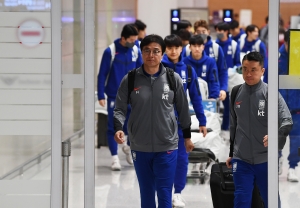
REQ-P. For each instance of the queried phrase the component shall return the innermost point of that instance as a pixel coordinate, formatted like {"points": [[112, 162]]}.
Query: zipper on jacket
{"points": [[250, 135], [151, 120]]}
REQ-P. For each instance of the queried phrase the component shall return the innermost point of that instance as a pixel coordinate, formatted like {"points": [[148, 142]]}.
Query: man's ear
{"points": [[263, 70]]}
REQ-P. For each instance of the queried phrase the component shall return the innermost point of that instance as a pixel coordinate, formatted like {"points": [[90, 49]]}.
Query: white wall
{"points": [[156, 15]]}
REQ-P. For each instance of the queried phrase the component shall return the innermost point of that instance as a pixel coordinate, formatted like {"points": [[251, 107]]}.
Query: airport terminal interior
{"points": [[49, 63]]}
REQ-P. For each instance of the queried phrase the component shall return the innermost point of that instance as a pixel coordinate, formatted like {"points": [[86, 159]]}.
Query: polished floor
{"points": [[116, 189], [119, 189]]}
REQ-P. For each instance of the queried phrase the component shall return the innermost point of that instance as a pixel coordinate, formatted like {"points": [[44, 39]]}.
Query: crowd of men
{"points": [[191, 54]]}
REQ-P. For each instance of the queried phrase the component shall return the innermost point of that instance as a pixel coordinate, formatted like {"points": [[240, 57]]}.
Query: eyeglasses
{"points": [[154, 52]]}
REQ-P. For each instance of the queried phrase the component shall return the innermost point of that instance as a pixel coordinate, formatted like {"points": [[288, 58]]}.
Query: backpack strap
{"points": [[187, 50], [256, 45], [131, 77], [189, 68], [172, 82], [234, 92], [242, 41], [136, 51], [215, 49], [112, 48], [233, 45], [189, 79], [113, 52]]}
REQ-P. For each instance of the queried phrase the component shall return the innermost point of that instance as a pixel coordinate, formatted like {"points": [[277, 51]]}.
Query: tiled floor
{"points": [[119, 189]]}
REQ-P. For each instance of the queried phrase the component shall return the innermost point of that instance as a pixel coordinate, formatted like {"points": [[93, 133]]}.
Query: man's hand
{"points": [[202, 129], [222, 95], [102, 102], [228, 162], [119, 137], [189, 146], [265, 141]]}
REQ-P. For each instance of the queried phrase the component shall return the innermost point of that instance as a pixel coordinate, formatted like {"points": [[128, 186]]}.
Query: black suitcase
{"points": [[102, 130], [222, 188]]}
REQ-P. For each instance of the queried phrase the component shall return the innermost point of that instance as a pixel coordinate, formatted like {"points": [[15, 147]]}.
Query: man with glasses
{"points": [[248, 155], [119, 58], [152, 124]]}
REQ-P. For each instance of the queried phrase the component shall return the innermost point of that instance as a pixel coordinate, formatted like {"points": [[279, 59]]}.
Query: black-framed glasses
{"points": [[155, 52]]}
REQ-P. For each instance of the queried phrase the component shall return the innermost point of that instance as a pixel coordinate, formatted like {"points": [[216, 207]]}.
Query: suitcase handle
{"points": [[223, 184]]}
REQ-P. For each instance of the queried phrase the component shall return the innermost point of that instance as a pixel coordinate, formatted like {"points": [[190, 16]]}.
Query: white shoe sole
{"points": [[115, 169], [293, 180]]}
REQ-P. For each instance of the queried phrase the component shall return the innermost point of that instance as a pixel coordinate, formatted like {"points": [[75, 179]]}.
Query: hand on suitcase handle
{"points": [[228, 162]]}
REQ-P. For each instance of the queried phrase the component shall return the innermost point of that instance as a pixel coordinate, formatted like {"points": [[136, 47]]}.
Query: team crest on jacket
{"points": [[204, 68], [183, 76], [166, 88], [261, 108], [261, 105], [165, 95]]}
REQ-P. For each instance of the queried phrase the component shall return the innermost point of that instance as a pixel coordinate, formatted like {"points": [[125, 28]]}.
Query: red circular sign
{"points": [[31, 33]]}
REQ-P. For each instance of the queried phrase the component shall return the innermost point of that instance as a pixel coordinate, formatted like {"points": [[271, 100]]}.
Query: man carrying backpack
{"points": [[232, 57], [153, 91], [173, 60], [117, 60], [248, 155]]}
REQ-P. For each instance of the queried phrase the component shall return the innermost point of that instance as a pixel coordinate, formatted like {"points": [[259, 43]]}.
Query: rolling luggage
{"points": [[222, 188]]}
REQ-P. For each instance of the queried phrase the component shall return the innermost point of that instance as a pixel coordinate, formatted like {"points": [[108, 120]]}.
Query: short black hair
{"points": [[129, 30], [234, 24], [183, 24], [184, 34], [173, 40], [251, 28], [286, 36], [254, 56], [223, 26], [153, 39], [140, 25], [196, 40]]}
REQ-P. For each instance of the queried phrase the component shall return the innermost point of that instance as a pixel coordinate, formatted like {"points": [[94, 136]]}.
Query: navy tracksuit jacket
{"points": [[232, 58], [194, 92], [109, 79], [206, 68]]}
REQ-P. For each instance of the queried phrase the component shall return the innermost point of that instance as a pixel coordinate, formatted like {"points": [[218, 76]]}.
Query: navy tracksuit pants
{"points": [[244, 177], [182, 165], [155, 172], [225, 122], [112, 144]]}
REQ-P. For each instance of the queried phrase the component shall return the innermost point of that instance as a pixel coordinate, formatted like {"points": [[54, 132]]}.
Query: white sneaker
{"points": [[178, 201], [116, 166], [196, 168], [127, 152], [280, 165], [292, 177]]}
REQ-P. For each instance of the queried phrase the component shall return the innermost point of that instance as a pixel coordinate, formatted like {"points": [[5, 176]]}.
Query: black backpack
{"points": [[170, 77]]}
